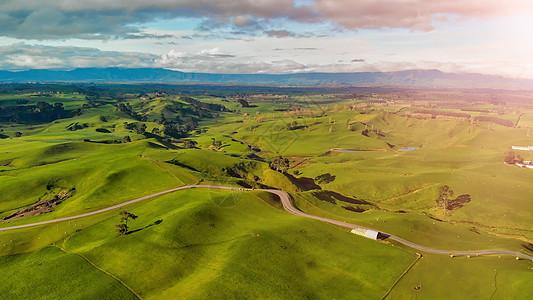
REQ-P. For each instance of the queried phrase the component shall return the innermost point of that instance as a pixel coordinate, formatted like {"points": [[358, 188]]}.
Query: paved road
{"points": [[287, 205]]}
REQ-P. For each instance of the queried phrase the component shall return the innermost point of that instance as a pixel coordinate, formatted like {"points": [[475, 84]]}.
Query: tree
{"points": [[174, 130], [509, 157], [140, 129], [216, 144], [189, 144], [243, 103], [445, 195], [280, 164], [18, 134], [123, 228], [126, 139]]}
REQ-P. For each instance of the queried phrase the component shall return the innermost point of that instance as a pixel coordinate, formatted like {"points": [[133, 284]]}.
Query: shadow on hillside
{"points": [[147, 226], [303, 183], [383, 236], [160, 140], [330, 196]]}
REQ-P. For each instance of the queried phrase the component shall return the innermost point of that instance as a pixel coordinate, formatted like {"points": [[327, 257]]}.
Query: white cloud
{"points": [[23, 56]]}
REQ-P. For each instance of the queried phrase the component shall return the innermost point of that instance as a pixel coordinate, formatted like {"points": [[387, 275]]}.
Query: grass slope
{"points": [[50, 273], [472, 278], [186, 245]]}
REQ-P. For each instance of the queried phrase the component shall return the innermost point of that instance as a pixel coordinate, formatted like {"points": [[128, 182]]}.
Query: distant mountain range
{"points": [[411, 78]]}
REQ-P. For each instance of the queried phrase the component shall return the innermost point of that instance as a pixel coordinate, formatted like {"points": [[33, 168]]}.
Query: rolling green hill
{"points": [[379, 165]]}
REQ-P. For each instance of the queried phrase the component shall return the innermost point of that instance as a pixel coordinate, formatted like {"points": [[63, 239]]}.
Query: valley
{"points": [[426, 165]]}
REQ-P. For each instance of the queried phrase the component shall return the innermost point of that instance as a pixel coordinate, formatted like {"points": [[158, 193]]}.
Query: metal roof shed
{"points": [[371, 234]]}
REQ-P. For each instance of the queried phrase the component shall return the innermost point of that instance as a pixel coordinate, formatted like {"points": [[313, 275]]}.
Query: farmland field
{"points": [[380, 160]]}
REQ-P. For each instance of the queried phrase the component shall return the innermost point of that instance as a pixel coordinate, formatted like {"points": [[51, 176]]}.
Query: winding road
{"points": [[287, 205]]}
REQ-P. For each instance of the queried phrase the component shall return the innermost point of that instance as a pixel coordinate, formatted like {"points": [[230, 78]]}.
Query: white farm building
{"points": [[371, 234], [527, 148]]}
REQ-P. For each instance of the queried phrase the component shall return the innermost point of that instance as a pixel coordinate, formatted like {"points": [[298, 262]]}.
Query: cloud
{"points": [[109, 19], [104, 19], [50, 23], [23, 56], [280, 33], [214, 52], [193, 63], [213, 60], [358, 60], [412, 14], [286, 33], [298, 49]]}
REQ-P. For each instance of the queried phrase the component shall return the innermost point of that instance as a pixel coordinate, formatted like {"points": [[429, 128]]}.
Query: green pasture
{"points": [[205, 243], [188, 245], [460, 277]]}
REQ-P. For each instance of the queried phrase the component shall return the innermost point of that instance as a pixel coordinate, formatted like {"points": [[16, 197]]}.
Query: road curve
{"points": [[287, 205]]}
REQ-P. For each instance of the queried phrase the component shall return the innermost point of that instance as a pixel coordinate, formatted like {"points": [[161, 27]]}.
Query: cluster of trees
{"points": [[280, 164], [125, 139], [494, 120], [174, 130], [446, 201], [243, 103], [139, 128], [189, 144], [210, 106], [76, 126], [512, 158], [294, 125], [216, 144], [435, 113], [127, 109], [122, 228], [42, 112], [367, 132]]}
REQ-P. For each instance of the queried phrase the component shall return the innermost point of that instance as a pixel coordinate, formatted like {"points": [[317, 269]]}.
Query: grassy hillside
{"points": [[107, 148], [480, 278], [185, 245], [42, 275]]}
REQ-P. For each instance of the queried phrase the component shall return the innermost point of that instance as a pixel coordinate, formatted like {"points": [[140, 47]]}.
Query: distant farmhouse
{"points": [[527, 148], [525, 164]]}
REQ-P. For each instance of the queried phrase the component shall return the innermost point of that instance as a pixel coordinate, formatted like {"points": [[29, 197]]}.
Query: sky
{"points": [[270, 36]]}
